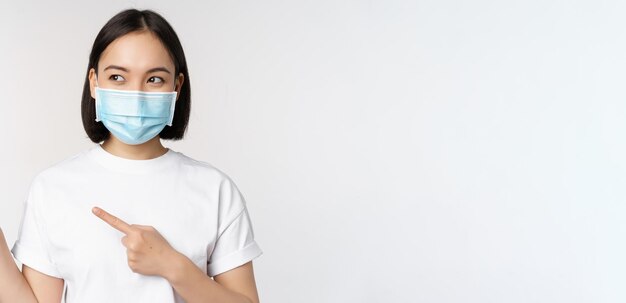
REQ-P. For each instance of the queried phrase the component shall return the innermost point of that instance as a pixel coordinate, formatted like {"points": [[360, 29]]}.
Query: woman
{"points": [[130, 220]]}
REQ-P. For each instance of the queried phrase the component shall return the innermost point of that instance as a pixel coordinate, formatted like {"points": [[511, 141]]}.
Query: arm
{"points": [[46, 288], [236, 285]]}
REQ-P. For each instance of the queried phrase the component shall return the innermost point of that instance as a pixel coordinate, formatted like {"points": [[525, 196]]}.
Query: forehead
{"points": [[136, 51]]}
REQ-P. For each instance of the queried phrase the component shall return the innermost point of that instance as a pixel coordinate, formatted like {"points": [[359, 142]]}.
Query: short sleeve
{"points": [[235, 244], [31, 247]]}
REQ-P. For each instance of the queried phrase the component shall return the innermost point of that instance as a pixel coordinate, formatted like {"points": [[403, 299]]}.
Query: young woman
{"points": [[130, 220]]}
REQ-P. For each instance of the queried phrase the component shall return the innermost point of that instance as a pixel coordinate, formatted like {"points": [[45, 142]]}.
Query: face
{"points": [[136, 61]]}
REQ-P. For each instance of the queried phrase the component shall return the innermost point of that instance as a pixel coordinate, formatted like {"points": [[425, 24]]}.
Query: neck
{"points": [[145, 151]]}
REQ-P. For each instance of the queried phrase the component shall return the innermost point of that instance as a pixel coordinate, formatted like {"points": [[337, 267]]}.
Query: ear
{"points": [[92, 82], [179, 84]]}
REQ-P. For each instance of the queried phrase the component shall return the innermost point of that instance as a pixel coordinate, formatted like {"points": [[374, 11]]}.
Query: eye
{"points": [[155, 80], [116, 78]]}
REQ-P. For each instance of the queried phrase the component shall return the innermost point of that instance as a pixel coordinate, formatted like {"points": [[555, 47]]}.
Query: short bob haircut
{"points": [[127, 21]]}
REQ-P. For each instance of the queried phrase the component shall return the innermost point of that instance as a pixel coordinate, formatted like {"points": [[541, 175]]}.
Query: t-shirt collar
{"points": [[131, 166]]}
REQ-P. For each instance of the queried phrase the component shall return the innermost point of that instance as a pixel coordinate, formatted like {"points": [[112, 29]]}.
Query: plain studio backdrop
{"points": [[388, 151]]}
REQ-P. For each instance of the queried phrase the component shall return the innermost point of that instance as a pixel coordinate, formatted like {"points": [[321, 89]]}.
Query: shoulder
{"points": [[203, 170], [62, 169], [54, 177]]}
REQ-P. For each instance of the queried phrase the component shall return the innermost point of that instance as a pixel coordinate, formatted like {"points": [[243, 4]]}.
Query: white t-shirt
{"points": [[196, 207]]}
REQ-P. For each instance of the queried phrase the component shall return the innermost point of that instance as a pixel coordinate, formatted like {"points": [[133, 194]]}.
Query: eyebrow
{"points": [[158, 69], [115, 67], [152, 70]]}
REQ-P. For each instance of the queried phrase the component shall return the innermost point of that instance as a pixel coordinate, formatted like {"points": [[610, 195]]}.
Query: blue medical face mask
{"points": [[134, 117]]}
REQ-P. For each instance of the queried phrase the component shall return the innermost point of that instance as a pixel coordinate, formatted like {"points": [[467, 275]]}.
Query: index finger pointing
{"points": [[112, 220]]}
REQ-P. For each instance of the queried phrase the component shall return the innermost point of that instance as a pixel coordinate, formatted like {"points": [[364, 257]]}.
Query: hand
{"points": [[148, 252]]}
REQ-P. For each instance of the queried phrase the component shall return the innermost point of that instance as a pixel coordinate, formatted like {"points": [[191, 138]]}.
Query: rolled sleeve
{"points": [[31, 246], [235, 244]]}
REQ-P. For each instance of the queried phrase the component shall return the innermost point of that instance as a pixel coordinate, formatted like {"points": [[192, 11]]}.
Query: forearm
{"points": [[196, 287], [14, 286]]}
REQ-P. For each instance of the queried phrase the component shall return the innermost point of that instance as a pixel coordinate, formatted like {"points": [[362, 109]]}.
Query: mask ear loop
{"points": [[97, 101], [173, 105]]}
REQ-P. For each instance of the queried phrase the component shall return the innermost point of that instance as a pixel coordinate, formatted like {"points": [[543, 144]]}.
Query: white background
{"points": [[389, 151]]}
